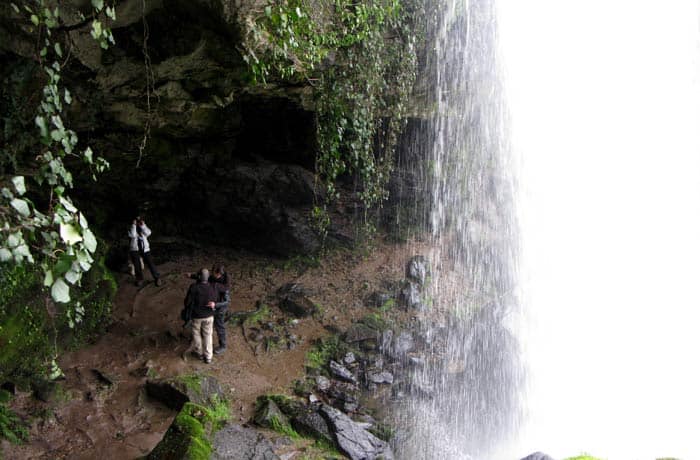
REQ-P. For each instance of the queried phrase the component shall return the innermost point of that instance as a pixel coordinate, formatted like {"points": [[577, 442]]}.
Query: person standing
{"points": [[220, 277], [201, 299], [139, 248]]}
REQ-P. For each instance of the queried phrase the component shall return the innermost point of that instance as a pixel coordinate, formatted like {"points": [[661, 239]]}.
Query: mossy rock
{"points": [[189, 436]]}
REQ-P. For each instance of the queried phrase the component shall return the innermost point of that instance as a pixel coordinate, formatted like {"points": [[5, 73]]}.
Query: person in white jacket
{"points": [[139, 248]]}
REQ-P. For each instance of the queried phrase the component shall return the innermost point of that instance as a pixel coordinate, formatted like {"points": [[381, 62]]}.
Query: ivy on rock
{"points": [[58, 239]]}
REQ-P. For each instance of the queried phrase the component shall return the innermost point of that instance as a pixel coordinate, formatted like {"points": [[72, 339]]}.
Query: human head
{"points": [[218, 271], [203, 275]]}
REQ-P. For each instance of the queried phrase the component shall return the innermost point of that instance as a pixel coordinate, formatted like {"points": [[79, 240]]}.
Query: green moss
{"points": [[583, 457], [283, 428], [190, 436], [375, 321], [192, 382]]}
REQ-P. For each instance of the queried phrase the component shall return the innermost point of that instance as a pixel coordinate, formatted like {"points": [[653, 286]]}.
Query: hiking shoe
{"points": [[219, 350], [206, 360], [159, 282]]}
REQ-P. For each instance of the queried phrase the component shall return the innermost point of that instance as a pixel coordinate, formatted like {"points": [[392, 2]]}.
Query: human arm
{"points": [[145, 231]]}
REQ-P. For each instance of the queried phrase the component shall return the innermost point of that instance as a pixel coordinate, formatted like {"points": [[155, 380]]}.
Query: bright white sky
{"points": [[605, 105]]}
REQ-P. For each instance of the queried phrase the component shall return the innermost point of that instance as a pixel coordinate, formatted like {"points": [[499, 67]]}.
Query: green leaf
{"points": [[82, 220], [60, 292], [15, 7], [67, 204], [65, 262], [69, 234], [18, 182], [98, 4], [21, 206], [268, 11], [109, 11], [35, 19], [55, 371], [67, 97], [5, 255], [90, 241], [57, 49], [48, 278], [72, 276], [41, 123]]}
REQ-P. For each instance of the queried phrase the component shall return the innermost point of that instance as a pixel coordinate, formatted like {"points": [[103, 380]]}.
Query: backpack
{"points": [[187, 310]]}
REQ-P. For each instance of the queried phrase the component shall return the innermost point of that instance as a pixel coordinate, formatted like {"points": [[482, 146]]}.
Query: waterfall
{"points": [[466, 400], [583, 271], [605, 106]]}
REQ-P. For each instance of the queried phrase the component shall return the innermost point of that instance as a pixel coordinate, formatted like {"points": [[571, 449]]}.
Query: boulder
{"points": [[360, 332], [44, 390], [176, 391], [382, 377], [234, 442], [341, 372], [189, 436], [268, 415], [293, 300], [378, 299], [352, 439], [311, 423], [322, 383]]}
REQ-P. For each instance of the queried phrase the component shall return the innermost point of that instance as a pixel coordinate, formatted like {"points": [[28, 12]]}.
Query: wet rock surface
{"points": [[538, 456], [293, 299], [235, 442], [353, 440]]}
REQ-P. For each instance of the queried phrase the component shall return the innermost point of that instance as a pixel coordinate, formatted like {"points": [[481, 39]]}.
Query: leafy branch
{"points": [[59, 238]]}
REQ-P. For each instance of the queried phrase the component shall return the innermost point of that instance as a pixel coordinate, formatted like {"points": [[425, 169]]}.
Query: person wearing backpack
{"points": [[201, 301]]}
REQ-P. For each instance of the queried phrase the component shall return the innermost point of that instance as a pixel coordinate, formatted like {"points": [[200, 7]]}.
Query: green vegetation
{"points": [[375, 321], [11, 427], [583, 457], [323, 351], [58, 239], [361, 59], [33, 330], [192, 382], [261, 315]]}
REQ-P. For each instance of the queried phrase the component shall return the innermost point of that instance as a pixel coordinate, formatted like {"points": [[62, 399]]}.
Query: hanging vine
{"points": [[57, 237], [361, 59]]}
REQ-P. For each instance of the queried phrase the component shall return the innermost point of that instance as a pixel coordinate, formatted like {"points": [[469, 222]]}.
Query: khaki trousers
{"points": [[202, 330]]}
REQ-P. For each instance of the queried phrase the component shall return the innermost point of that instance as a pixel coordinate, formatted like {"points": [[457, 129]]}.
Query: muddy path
{"points": [[102, 411]]}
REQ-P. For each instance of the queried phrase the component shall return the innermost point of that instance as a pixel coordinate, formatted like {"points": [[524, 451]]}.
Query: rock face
{"points": [[200, 151]]}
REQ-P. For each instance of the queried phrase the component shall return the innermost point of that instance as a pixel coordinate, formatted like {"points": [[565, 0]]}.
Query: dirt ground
{"points": [[92, 419]]}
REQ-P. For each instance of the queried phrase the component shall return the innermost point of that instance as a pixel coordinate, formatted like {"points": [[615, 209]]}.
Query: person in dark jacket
{"points": [[220, 277], [201, 298]]}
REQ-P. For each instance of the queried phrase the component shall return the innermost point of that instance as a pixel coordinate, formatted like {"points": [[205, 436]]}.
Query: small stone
{"points": [[349, 358], [382, 377], [322, 383], [313, 399]]}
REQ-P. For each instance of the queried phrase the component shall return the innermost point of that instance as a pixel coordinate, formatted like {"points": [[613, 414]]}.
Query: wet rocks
{"points": [[382, 377], [352, 439], [417, 270], [410, 296], [234, 442], [311, 423], [175, 392], [341, 372]]}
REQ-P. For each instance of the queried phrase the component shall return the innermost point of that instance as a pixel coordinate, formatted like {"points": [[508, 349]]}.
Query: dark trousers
{"points": [[146, 256], [219, 326]]}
